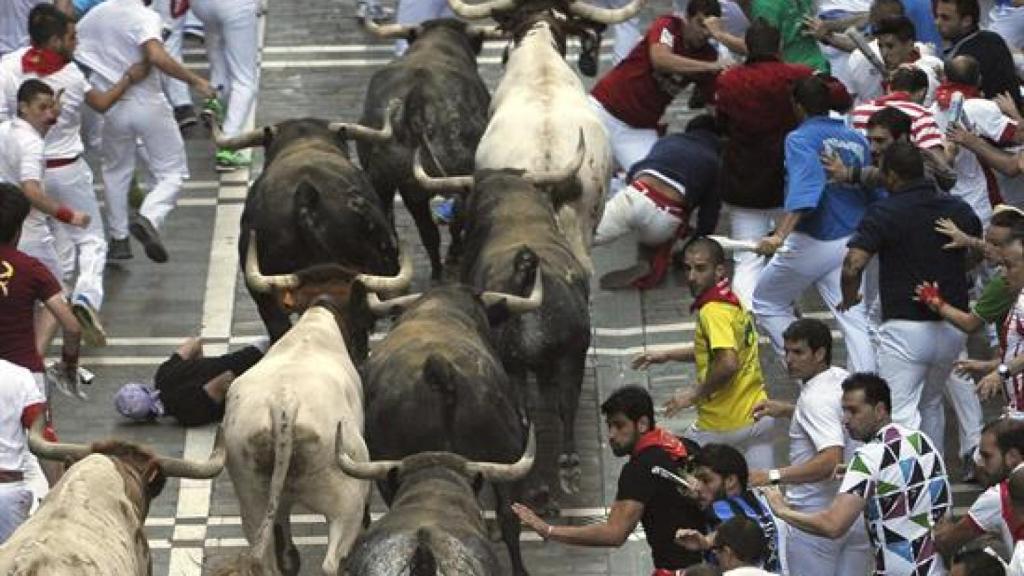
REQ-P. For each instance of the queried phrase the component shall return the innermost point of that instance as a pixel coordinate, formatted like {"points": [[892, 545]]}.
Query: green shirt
{"points": [[787, 16], [995, 302]]}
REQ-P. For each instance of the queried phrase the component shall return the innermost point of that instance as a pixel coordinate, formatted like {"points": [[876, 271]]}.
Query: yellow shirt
{"points": [[719, 326]]}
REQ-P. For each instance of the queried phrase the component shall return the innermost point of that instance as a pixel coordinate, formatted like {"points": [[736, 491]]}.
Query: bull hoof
{"points": [[569, 473]]}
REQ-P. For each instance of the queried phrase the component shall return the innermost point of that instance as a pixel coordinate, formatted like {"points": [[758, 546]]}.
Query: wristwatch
{"points": [[1004, 371], [774, 477]]}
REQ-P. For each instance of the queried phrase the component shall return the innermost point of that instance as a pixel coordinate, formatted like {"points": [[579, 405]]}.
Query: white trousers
{"points": [[415, 11], [961, 393], [231, 45], [176, 91], [1008, 22], [72, 185], [152, 122], [632, 211], [811, 262], [916, 358], [756, 441], [627, 33], [35, 480], [850, 555], [15, 502], [629, 144], [749, 224], [37, 241]]}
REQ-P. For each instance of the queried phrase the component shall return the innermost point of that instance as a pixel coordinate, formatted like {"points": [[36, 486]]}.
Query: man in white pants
{"points": [[231, 45], [820, 217], [917, 348], [67, 177], [113, 36], [172, 12], [817, 444]]}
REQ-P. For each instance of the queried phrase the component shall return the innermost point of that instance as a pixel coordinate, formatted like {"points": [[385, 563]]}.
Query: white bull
{"points": [[91, 522], [281, 418], [539, 109]]}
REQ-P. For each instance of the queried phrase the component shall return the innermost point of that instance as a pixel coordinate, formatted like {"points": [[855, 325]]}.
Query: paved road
{"points": [[316, 62]]}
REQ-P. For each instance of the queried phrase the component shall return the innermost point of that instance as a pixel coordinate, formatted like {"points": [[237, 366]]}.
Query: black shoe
{"points": [[185, 116], [969, 471], [146, 233], [119, 249], [590, 48]]}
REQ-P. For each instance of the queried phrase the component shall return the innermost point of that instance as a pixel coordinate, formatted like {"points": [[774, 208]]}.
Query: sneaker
{"points": [[185, 116], [57, 377], [89, 320], [444, 211], [374, 12], [214, 107], [119, 249], [228, 160], [970, 473], [146, 234], [590, 47]]}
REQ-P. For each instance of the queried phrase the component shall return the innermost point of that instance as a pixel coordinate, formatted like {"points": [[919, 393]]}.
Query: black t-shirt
{"points": [[181, 382], [665, 509], [998, 73], [900, 229]]}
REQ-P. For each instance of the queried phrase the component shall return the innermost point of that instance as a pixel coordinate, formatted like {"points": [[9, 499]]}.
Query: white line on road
{"points": [[358, 63]]}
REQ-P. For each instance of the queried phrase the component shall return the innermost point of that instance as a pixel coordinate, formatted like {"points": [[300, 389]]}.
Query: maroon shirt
{"points": [[634, 92], [24, 281]]}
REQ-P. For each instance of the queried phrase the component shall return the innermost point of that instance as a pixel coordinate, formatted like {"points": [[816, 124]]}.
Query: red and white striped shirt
{"points": [[924, 132]]}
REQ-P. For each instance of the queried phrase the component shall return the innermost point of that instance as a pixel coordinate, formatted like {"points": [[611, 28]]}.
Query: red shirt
{"points": [[754, 102], [23, 282], [634, 92]]}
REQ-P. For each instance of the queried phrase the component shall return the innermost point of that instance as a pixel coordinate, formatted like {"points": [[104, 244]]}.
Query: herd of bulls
{"points": [[440, 406]]}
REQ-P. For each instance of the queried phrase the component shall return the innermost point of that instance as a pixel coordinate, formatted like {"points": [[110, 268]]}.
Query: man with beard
{"points": [[645, 493], [895, 463], [729, 380]]}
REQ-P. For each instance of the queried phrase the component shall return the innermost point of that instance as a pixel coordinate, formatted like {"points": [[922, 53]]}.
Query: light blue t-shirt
{"points": [[830, 210], [83, 6]]}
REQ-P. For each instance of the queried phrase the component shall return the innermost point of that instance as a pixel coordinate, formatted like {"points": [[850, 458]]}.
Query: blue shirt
{"points": [[830, 210], [750, 505], [920, 13]]}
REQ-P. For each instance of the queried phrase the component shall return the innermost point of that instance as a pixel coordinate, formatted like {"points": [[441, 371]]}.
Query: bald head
{"points": [[963, 69]]}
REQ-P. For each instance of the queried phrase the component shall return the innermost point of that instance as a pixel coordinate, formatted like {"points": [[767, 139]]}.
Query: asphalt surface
{"points": [[316, 62]]}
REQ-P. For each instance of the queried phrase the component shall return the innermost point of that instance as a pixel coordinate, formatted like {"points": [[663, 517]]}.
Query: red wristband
{"points": [[65, 214]]}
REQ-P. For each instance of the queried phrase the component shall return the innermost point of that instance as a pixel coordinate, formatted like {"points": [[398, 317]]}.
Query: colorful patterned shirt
{"points": [[903, 481]]}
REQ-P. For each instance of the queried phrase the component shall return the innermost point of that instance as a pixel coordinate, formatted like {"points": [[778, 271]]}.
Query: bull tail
{"points": [[312, 229], [442, 377], [423, 562], [282, 415], [569, 223]]}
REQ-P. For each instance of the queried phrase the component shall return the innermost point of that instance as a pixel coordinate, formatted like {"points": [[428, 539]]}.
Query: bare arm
{"points": [[832, 522], [724, 367], [158, 56], [102, 101], [769, 244], [58, 306], [820, 468], [664, 60], [1005, 162], [33, 190], [853, 269], [950, 536], [683, 353], [622, 519], [718, 32]]}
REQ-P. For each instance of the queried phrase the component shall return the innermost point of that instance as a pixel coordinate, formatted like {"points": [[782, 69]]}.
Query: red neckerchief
{"points": [[42, 61], [178, 8], [944, 93], [720, 292], [1006, 509], [662, 439]]}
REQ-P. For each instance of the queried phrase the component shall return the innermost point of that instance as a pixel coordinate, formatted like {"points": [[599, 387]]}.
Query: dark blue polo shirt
{"points": [[900, 229]]}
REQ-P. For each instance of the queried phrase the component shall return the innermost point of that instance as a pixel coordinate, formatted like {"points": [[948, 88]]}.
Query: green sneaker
{"points": [[214, 105], [136, 195], [228, 160]]}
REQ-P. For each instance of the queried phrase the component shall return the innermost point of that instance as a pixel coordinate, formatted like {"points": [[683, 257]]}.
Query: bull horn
{"points": [[605, 15], [360, 132], [45, 449], [435, 184], [384, 308], [488, 32], [361, 470], [501, 473], [181, 468], [559, 176], [391, 283], [389, 31], [249, 139], [255, 280], [478, 11], [518, 304]]}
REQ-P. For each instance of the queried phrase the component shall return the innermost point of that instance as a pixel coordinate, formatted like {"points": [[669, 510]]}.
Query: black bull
{"points": [[438, 375], [511, 230], [445, 106], [309, 206]]}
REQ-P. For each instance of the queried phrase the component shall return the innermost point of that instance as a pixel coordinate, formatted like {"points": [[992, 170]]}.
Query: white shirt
{"points": [[987, 513], [748, 571], [817, 424], [1016, 566], [64, 139], [866, 81], [21, 152], [844, 5], [18, 391], [110, 39], [983, 118], [14, 23]]}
